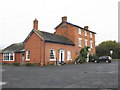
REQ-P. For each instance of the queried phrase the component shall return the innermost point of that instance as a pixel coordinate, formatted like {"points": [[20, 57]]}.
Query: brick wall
{"points": [[57, 47], [71, 32], [36, 47]]}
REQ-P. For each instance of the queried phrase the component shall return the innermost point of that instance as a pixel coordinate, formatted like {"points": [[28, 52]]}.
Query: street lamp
{"points": [[111, 52]]}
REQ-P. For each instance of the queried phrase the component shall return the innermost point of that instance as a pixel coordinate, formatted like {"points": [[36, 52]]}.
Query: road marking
{"points": [[2, 83]]}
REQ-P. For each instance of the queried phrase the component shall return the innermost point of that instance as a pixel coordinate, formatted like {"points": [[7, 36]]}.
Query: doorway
{"points": [[61, 55]]}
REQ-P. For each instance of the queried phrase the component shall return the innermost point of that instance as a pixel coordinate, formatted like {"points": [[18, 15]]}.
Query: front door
{"points": [[23, 58], [61, 55]]}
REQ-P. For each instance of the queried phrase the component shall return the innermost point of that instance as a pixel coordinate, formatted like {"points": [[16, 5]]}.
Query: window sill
{"points": [[11, 60], [52, 59], [79, 46], [27, 60], [69, 59], [7, 60]]}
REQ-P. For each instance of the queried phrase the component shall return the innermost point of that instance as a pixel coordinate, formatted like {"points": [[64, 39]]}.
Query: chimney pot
{"points": [[86, 27], [64, 18], [35, 24]]}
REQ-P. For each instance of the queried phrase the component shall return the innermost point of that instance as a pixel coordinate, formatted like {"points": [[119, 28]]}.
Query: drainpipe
{"points": [[40, 51], [44, 52], [43, 62]]}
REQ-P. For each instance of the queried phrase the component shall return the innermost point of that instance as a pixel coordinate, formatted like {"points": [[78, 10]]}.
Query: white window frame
{"points": [[63, 58], [90, 35], [85, 33], [91, 44], [86, 42], [69, 55], [80, 42], [4, 57], [54, 53], [8, 54], [79, 31], [27, 59]]}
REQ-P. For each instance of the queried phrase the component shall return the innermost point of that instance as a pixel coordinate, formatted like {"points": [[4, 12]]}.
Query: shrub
{"points": [[83, 55], [36, 64], [28, 64], [16, 64]]}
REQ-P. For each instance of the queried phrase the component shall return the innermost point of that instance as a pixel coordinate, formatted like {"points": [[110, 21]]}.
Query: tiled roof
{"points": [[74, 25], [16, 47], [49, 37]]}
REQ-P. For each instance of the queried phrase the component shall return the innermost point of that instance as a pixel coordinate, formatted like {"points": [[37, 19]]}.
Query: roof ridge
{"points": [[18, 43], [73, 25]]}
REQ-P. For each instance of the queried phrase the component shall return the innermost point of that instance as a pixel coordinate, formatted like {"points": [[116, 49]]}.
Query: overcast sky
{"points": [[16, 17]]}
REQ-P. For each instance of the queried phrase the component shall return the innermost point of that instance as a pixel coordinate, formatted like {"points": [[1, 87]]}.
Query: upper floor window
{"points": [[90, 35], [86, 42], [28, 55], [69, 55], [91, 42], [80, 42], [52, 54], [79, 31], [85, 33]]}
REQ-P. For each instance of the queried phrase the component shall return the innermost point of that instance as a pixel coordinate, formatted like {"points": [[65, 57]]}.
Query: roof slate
{"points": [[49, 37], [75, 26], [16, 47]]}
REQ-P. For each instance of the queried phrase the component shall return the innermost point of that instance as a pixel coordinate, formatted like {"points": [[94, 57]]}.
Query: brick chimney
{"points": [[64, 18], [35, 24], [86, 27]]}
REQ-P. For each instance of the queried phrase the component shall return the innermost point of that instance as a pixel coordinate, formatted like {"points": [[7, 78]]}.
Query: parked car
{"points": [[107, 59]]}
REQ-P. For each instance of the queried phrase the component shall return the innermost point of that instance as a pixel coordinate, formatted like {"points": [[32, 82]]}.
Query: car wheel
{"points": [[108, 61]]}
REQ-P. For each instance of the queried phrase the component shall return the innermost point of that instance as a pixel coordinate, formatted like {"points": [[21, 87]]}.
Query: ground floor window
{"points": [[52, 54], [11, 56], [28, 55], [8, 57], [69, 55]]}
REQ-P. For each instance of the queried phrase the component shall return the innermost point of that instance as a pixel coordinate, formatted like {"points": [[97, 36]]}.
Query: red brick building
{"points": [[46, 48]]}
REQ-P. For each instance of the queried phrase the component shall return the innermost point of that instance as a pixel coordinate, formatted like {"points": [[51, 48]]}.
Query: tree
{"points": [[83, 55], [103, 49]]}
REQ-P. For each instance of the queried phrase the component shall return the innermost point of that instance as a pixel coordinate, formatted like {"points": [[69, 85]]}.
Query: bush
{"points": [[28, 64], [16, 64], [83, 55], [36, 64]]}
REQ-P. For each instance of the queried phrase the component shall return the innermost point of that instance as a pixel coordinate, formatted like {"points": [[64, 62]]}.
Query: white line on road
{"points": [[2, 83]]}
